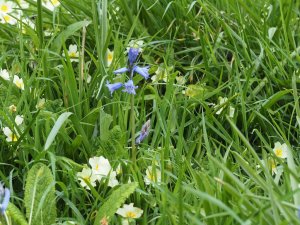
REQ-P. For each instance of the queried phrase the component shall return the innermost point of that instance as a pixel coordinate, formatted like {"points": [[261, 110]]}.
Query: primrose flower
{"points": [[18, 82], [129, 87], [40, 103], [19, 120], [51, 4], [280, 150], [4, 198], [144, 132], [5, 18], [73, 53], [87, 175], [100, 166], [4, 74], [112, 180], [129, 211], [10, 136], [113, 87], [6, 7], [152, 175], [109, 57]]}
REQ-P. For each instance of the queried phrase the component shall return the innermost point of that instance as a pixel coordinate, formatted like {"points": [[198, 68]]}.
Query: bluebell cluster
{"points": [[132, 68]]}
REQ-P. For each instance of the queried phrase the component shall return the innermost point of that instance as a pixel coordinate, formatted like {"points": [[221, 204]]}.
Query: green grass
{"points": [[211, 165]]}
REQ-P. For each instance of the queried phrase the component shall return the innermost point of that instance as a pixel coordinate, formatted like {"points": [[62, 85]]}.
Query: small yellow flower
{"points": [[280, 150], [73, 53], [18, 82], [110, 57], [152, 175]]}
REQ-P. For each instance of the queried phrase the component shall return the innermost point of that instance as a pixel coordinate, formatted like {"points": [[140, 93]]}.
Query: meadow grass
{"points": [[217, 166]]}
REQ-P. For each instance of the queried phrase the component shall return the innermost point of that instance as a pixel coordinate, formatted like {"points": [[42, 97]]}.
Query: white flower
{"points": [[119, 169], [112, 179], [280, 150], [109, 56], [231, 111], [12, 108], [5, 18], [125, 222], [87, 175], [221, 101], [18, 82], [100, 166], [19, 120], [73, 53], [51, 4], [128, 211], [88, 79], [135, 44], [152, 175], [23, 4], [4, 74], [10, 136], [6, 7]]}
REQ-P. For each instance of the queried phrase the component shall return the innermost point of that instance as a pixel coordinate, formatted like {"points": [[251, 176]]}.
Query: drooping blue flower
{"points": [[129, 87], [143, 71], [121, 70], [132, 55], [144, 132], [113, 87], [4, 198]]}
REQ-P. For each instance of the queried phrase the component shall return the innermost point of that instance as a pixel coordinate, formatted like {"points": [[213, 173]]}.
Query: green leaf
{"points": [[70, 30], [114, 201], [61, 119], [39, 196], [16, 215]]}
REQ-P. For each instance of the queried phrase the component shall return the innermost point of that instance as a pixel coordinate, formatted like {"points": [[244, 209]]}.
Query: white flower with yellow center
{"points": [[73, 53], [8, 19], [18, 82], [129, 211], [109, 57], [6, 7], [51, 4], [100, 166], [153, 175], [10, 136], [280, 150], [19, 120], [87, 175], [4, 74]]}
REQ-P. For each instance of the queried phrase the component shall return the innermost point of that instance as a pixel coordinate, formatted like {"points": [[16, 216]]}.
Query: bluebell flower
{"points": [[113, 87], [132, 55], [129, 87], [4, 198], [143, 71], [144, 132]]}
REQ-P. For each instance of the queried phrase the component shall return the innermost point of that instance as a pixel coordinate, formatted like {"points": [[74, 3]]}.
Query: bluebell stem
{"points": [[129, 87], [4, 198], [144, 132], [113, 87]]}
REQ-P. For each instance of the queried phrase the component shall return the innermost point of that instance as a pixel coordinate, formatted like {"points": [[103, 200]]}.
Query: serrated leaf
{"points": [[39, 197], [16, 215], [59, 122], [114, 201]]}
